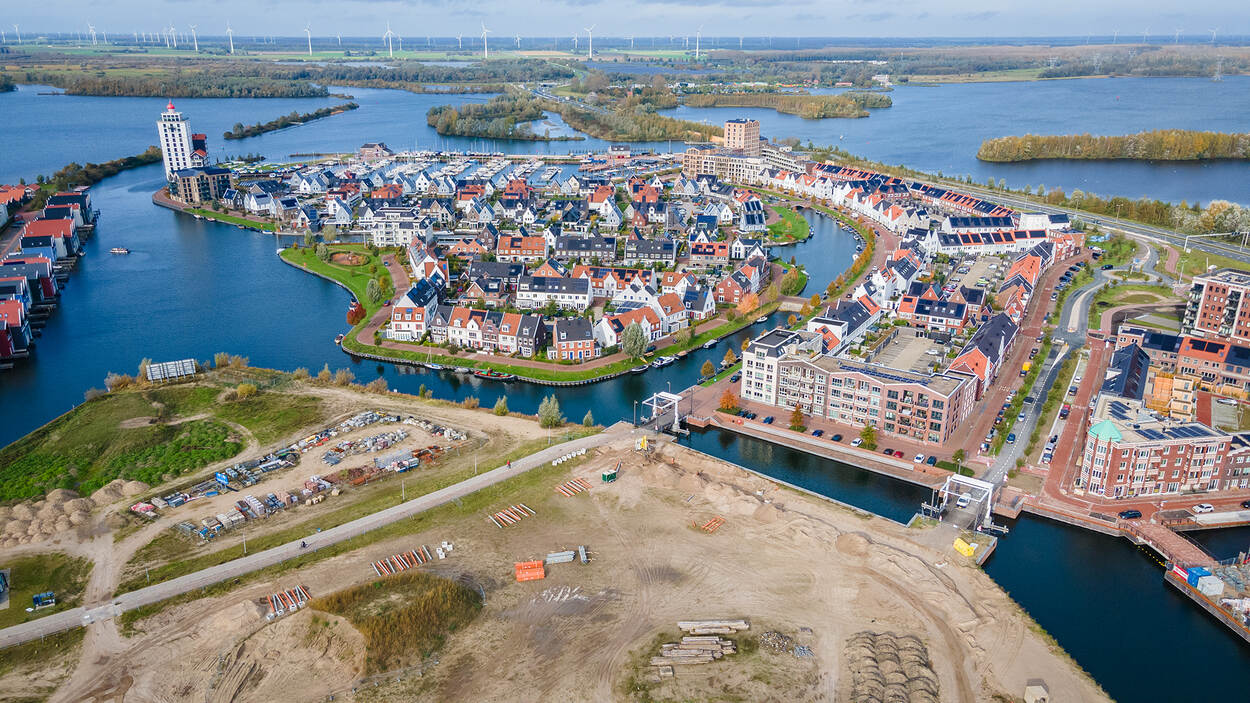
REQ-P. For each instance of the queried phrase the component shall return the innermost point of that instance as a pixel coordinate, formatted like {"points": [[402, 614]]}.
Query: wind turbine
{"points": [[590, 44], [401, 43], [308, 31], [739, 43], [518, 41], [340, 38], [1177, 39], [1213, 31], [1115, 35], [631, 42], [390, 50], [574, 43], [173, 34], [19, 34], [485, 47], [1145, 36], [105, 36], [91, 30], [697, 34], [230, 36], [460, 40], [195, 39]]}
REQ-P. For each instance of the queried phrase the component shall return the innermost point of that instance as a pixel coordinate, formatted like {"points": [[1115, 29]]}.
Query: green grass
{"points": [[532, 487], [385, 495], [354, 278], [790, 228], [38, 656], [1196, 262], [87, 447], [37, 573], [404, 615], [271, 416], [232, 219], [1017, 403]]}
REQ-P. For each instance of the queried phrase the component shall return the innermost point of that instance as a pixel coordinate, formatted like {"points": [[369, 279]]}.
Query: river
{"points": [[192, 288]]}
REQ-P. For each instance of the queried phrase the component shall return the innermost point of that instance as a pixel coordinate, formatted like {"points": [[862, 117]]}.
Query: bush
{"points": [[300, 374], [343, 377], [325, 375], [589, 420], [92, 393], [471, 402], [501, 406], [377, 385], [549, 413], [245, 390], [115, 381]]}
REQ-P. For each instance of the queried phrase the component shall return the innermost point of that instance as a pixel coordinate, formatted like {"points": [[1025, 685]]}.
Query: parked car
{"points": [[918, 459], [768, 420], [888, 452], [1245, 504], [1020, 417], [836, 438], [931, 461], [1130, 514], [1054, 296], [1071, 390], [1203, 508], [1106, 267], [734, 378], [898, 453], [1065, 411], [856, 442], [817, 433], [1011, 438]]}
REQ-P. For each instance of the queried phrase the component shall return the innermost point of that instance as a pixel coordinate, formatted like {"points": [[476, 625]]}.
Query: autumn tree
{"points": [[798, 422], [729, 401], [708, 369], [730, 357]]}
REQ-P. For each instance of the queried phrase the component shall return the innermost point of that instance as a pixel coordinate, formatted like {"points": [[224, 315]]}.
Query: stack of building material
{"points": [[561, 557], [530, 571], [694, 650], [511, 515], [288, 600], [572, 488], [713, 627], [712, 525], [401, 562]]}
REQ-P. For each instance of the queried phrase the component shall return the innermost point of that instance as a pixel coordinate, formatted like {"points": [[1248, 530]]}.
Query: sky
{"points": [[729, 18]]}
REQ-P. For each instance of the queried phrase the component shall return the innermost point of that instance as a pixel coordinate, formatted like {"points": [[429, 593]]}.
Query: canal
{"points": [[192, 288]]}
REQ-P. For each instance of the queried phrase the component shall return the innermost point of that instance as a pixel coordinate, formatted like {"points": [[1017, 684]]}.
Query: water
{"points": [[940, 129], [192, 288]]}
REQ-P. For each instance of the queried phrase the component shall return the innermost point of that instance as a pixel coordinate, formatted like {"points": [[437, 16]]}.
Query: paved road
{"points": [[76, 617]]}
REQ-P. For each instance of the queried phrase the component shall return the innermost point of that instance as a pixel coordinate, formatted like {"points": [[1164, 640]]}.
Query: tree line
{"points": [[241, 132], [638, 125], [502, 117], [73, 174], [1158, 145], [810, 107]]}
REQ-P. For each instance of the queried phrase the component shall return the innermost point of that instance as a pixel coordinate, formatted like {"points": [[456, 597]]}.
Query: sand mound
{"points": [[767, 513], [16, 528], [79, 505], [22, 511], [60, 495], [109, 492], [80, 517], [134, 488], [48, 511], [236, 617], [852, 545]]}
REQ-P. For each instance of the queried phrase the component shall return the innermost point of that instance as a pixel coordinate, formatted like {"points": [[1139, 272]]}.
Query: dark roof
{"points": [[572, 329], [495, 269], [941, 308], [1126, 374], [852, 312], [993, 337]]}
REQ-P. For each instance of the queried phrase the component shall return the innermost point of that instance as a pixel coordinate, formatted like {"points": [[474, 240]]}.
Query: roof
{"points": [[1126, 374], [1106, 430]]}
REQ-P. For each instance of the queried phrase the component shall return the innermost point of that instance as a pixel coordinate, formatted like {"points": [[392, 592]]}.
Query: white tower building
{"points": [[175, 133]]}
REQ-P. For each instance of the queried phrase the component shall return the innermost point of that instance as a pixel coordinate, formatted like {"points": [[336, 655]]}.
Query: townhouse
{"points": [[572, 339], [503, 333], [986, 352], [534, 292], [524, 249], [410, 315], [609, 328]]}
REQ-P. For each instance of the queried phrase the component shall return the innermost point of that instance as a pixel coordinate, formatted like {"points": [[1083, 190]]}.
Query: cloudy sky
{"points": [[847, 18]]}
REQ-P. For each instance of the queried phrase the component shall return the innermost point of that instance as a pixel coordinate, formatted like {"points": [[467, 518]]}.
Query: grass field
{"points": [[791, 228], [36, 573], [231, 219], [354, 278], [403, 616]]}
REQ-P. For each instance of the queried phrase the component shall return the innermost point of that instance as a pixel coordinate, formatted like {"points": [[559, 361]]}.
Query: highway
{"points": [[76, 617]]}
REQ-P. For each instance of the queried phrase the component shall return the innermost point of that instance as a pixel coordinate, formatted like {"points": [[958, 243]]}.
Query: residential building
{"points": [[572, 339], [525, 249], [410, 316], [610, 327], [534, 292], [986, 352], [174, 133], [200, 184], [743, 135], [1219, 307]]}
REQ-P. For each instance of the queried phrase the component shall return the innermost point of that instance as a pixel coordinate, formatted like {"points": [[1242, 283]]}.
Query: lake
{"points": [[192, 288]]}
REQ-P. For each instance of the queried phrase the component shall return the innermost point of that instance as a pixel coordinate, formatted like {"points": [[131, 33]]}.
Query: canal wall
{"points": [[1238, 628]]}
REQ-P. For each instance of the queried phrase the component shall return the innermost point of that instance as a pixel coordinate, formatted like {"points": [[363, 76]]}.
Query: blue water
{"points": [[192, 288], [938, 129]]}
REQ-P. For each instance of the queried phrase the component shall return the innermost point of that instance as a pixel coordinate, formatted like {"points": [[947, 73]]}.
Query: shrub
{"points": [[549, 412], [245, 390], [325, 375], [377, 385], [115, 381], [300, 374], [471, 402], [589, 420], [501, 406], [221, 360], [343, 377], [92, 393]]}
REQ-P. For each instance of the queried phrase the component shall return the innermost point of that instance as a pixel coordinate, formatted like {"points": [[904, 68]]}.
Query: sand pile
{"points": [[889, 667], [60, 512], [134, 488], [110, 492]]}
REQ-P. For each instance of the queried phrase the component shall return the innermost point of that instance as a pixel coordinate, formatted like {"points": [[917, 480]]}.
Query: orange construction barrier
{"points": [[530, 570]]}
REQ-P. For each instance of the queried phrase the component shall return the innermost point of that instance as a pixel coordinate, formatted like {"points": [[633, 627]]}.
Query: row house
{"points": [[986, 352], [709, 254], [490, 292], [607, 281], [441, 210], [576, 248], [609, 328], [534, 292], [493, 331], [425, 264], [751, 277], [16, 336], [466, 248], [650, 251], [41, 284], [410, 315], [525, 249], [933, 315]]}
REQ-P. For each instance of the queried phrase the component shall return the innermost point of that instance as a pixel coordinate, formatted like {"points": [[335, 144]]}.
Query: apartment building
{"points": [[1129, 451], [743, 135], [1218, 307]]}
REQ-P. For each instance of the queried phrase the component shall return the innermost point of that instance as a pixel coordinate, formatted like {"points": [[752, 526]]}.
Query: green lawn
{"points": [[271, 416], [231, 219], [54, 571], [354, 278], [791, 228]]}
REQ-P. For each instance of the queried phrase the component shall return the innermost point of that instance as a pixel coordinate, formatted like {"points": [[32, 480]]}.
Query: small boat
{"points": [[710, 343], [492, 374], [461, 369], [338, 339], [761, 320], [434, 367], [639, 369], [119, 250]]}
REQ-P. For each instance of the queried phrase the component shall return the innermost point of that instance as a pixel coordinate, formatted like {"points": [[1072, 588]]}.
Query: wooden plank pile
{"points": [[572, 488], [402, 561], [511, 515], [703, 645], [287, 600]]}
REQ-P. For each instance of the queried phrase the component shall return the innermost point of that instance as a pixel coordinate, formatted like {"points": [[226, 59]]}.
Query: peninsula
{"points": [[1158, 145]]}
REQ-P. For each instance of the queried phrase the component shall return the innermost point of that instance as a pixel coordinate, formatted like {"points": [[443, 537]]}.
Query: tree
{"points": [[323, 251], [770, 293], [746, 343], [309, 239], [549, 412], [708, 369], [959, 455], [798, 422], [833, 287], [814, 300], [683, 336], [501, 406], [589, 420], [633, 341], [749, 302], [730, 357], [374, 291], [791, 320], [729, 401], [869, 437]]}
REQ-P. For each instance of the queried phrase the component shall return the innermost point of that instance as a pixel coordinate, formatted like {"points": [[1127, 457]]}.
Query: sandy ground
{"points": [[784, 561]]}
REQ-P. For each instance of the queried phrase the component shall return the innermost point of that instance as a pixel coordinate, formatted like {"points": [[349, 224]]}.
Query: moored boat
{"points": [[119, 250]]}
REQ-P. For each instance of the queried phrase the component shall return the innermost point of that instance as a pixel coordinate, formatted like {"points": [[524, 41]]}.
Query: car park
{"points": [[1130, 514], [856, 442], [1203, 508]]}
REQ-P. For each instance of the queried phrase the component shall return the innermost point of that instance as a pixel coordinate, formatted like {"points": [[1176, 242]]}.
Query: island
{"points": [[1157, 145], [295, 118]]}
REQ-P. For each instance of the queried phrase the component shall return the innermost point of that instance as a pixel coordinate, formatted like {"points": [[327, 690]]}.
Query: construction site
{"points": [[634, 570]]}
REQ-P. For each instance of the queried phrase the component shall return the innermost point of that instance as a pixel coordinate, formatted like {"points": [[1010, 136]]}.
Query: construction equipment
{"points": [[610, 476]]}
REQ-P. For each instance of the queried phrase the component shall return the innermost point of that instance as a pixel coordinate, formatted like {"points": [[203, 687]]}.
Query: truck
{"points": [[1024, 370]]}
